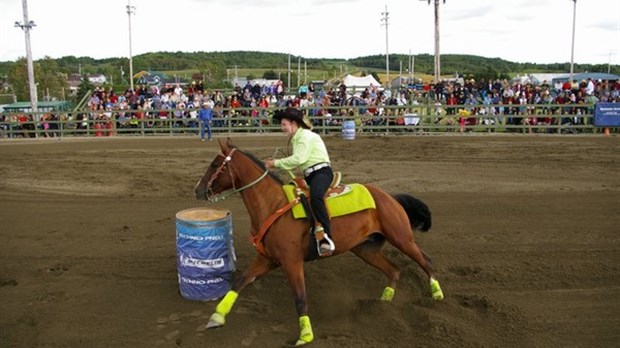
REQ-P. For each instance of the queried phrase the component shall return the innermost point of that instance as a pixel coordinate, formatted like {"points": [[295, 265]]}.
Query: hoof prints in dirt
{"points": [[51, 297], [474, 302], [465, 271], [58, 269], [166, 219], [189, 328], [172, 326], [7, 282]]}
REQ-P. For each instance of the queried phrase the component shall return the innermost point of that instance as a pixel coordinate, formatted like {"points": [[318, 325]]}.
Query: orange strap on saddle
{"points": [[257, 239]]}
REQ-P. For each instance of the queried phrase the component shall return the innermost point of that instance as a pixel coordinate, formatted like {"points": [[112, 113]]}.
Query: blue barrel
{"points": [[205, 253], [348, 130]]}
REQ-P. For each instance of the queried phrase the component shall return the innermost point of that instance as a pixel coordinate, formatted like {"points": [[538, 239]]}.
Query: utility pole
{"points": [[411, 67], [572, 50], [288, 85], [437, 54], [130, 10], [26, 26], [384, 19]]}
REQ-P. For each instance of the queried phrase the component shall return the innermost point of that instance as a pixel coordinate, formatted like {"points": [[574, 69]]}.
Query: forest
{"points": [[217, 69]]}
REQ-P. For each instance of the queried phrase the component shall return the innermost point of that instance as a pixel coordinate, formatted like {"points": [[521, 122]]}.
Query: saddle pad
{"points": [[356, 197]]}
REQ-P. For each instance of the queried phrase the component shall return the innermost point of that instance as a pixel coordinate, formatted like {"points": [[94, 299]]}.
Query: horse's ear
{"points": [[222, 145], [229, 142]]}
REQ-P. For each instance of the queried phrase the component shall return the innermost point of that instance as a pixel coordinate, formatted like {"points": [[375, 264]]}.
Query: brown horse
{"points": [[283, 241]]}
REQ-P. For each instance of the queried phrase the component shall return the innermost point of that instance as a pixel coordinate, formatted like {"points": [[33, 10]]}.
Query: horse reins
{"points": [[257, 238], [234, 190]]}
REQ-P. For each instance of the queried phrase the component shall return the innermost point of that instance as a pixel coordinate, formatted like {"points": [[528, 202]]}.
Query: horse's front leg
{"points": [[294, 271], [260, 265]]}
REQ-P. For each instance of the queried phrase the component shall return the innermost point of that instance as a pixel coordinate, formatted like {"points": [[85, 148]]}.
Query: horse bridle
{"points": [[218, 171]]}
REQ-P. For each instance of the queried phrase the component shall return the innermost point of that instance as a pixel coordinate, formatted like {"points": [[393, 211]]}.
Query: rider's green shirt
{"points": [[308, 150]]}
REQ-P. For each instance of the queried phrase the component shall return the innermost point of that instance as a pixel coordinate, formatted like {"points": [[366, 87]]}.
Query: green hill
{"points": [[217, 69], [176, 61]]}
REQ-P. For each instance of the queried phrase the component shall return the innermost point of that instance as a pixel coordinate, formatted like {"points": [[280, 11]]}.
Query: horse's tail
{"points": [[418, 212]]}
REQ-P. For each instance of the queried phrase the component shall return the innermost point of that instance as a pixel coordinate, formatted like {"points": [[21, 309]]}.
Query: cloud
{"points": [[470, 13], [331, 2], [316, 28], [605, 25]]}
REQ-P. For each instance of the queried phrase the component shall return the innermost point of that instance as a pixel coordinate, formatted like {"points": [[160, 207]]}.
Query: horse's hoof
{"points": [[216, 320], [300, 343]]}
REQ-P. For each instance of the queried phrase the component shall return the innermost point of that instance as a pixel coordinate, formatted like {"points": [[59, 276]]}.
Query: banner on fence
{"points": [[607, 115]]}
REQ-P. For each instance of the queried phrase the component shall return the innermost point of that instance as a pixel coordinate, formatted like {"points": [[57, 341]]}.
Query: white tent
{"points": [[360, 82]]}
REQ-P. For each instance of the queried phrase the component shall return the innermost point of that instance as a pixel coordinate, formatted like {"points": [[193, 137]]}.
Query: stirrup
{"points": [[324, 245]]}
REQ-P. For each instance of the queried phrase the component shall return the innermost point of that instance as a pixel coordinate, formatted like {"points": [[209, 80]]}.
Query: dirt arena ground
{"points": [[525, 241]]}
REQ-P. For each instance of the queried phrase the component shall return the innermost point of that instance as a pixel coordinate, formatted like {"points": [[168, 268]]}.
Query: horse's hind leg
{"points": [[411, 249], [371, 253], [260, 265]]}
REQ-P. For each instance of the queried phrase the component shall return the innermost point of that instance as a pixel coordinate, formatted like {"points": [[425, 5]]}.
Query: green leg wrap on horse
{"points": [[436, 290], [218, 318], [388, 294], [306, 336], [227, 302]]}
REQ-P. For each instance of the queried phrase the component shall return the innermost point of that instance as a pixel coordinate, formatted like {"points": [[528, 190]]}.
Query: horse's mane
{"points": [[259, 163]]}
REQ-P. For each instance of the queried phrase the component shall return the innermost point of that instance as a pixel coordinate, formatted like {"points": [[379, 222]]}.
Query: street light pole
{"points": [[384, 19], [28, 24], [130, 10], [572, 50]]}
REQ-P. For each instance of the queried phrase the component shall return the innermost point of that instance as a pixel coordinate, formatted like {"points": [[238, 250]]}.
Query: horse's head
{"points": [[218, 177]]}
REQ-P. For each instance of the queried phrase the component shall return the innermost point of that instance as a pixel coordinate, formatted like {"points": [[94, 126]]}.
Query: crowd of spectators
{"points": [[465, 102], [524, 103]]}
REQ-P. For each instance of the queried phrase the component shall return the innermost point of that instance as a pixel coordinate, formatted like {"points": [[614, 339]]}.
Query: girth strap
{"points": [[257, 239]]}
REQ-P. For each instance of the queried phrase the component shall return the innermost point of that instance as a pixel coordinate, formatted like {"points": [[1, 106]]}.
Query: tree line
{"points": [[213, 68]]}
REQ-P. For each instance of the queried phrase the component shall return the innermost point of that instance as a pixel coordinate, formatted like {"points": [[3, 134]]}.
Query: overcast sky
{"points": [[537, 31]]}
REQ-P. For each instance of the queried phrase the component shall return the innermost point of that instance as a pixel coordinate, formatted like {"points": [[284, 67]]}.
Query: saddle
{"points": [[334, 188], [339, 199]]}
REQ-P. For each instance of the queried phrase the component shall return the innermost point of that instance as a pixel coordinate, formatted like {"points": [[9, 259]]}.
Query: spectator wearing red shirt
{"points": [[451, 101]]}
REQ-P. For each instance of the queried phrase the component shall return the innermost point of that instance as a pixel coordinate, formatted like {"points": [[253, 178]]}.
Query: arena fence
{"points": [[429, 118]]}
